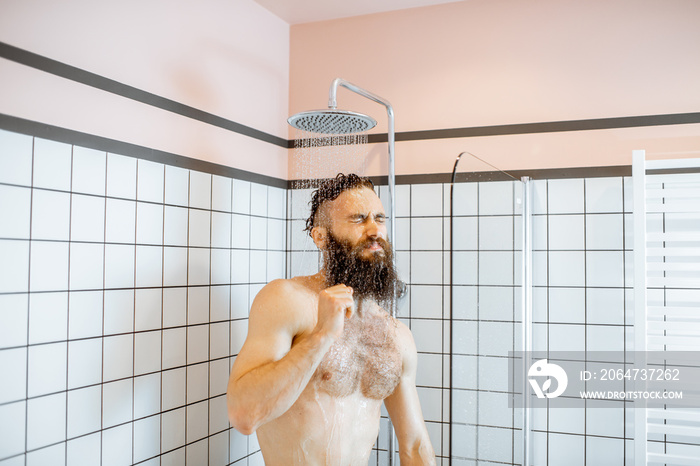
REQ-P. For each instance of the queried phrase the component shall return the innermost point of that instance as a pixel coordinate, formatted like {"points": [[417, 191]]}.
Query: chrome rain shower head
{"points": [[332, 121]]}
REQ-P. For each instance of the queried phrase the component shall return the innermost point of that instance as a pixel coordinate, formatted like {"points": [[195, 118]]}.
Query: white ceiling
{"points": [[307, 11]]}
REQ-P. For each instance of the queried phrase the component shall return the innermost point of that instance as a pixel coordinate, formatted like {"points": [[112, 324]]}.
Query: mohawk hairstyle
{"points": [[332, 188]]}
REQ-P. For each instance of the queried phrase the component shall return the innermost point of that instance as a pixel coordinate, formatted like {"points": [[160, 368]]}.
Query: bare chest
{"points": [[366, 359]]}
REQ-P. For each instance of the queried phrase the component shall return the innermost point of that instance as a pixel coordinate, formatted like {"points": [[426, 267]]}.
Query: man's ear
{"points": [[320, 236]]}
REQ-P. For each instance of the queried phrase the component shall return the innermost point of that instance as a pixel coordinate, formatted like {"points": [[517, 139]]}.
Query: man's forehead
{"points": [[358, 200]]}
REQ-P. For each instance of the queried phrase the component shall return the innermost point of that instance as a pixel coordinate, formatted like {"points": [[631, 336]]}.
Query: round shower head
{"points": [[332, 121]]}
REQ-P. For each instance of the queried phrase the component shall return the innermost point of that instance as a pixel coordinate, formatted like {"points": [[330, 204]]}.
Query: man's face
{"points": [[356, 218], [356, 252]]}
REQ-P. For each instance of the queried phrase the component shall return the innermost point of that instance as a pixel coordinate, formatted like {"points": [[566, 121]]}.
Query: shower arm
{"points": [[332, 103]]}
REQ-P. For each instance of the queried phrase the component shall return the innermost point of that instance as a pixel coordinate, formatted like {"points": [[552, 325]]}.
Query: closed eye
{"points": [[361, 218]]}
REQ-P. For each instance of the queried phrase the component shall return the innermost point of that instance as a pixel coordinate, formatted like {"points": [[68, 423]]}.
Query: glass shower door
{"points": [[487, 303]]}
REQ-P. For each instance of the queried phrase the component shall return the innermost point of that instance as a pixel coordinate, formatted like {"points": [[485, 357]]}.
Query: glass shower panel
{"points": [[487, 322]]}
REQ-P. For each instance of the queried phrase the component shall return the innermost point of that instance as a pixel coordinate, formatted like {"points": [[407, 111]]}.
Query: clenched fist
{"points": [[334, 304]]}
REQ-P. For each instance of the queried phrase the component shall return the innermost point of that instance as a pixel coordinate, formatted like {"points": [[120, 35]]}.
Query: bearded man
{"points": [[322, 352]]}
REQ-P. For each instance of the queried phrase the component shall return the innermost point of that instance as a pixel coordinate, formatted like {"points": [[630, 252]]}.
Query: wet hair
{"points": [[330, 189]]}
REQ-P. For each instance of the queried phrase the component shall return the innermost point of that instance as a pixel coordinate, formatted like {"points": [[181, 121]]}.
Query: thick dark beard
{"points": [[373, 277]]}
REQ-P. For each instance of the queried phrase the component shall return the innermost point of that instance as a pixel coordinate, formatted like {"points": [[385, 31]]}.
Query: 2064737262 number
{"points": [[652, 374]]}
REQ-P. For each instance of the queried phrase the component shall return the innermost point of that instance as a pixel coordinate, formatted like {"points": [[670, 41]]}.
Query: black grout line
{"points": [[585, 320], [229, 305], [250, 210], [547, 209], [108, 159], [514, 336], [70, 235], [133, 325], [143, 201], [478, 313], [443, 401], [187, 303], [624, 319], [211, 232], [162, 324]]}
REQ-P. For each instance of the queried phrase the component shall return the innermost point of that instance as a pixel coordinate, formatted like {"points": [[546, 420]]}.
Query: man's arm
{"points": [[270, 373], [404, 409]]}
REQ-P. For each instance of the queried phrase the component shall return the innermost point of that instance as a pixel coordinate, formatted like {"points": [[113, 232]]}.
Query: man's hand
{"points": [[334, 304]]}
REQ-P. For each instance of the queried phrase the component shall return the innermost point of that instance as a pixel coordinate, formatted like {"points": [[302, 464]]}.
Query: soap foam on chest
{"points": [[366, 358]]}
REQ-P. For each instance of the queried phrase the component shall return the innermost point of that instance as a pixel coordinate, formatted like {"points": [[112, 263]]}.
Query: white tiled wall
{"points": [[125, 286], [582, 301]]}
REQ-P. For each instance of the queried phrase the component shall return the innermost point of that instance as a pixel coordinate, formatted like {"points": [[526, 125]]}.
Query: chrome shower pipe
{"points": [[332, 103]]}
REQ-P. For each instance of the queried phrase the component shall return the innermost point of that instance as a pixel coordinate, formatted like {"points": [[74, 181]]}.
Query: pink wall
{"points": [[230, 59], [480, 63], [465, 64]]}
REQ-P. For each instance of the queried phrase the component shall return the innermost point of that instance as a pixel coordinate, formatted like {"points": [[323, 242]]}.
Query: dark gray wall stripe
{"points": [[671, 171], [57, 68], [536, 174], [544, 127], [54, 133], [72, 73], [63, 70], [540, 174]]}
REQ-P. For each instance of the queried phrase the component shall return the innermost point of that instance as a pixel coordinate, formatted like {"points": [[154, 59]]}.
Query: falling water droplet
{"points": [[316, 157]]}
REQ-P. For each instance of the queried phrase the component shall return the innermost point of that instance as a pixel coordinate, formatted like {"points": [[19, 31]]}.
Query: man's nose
{"points": [[374, 229]]}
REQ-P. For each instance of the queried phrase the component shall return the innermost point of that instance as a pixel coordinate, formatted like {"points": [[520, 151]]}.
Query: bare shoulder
{"points": [[281, 300], [281, 286], [402, 331], [405, 340], [301, 284]]}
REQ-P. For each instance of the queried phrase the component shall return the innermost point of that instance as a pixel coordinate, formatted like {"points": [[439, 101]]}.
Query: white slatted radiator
{"points": [[666, 299]]}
